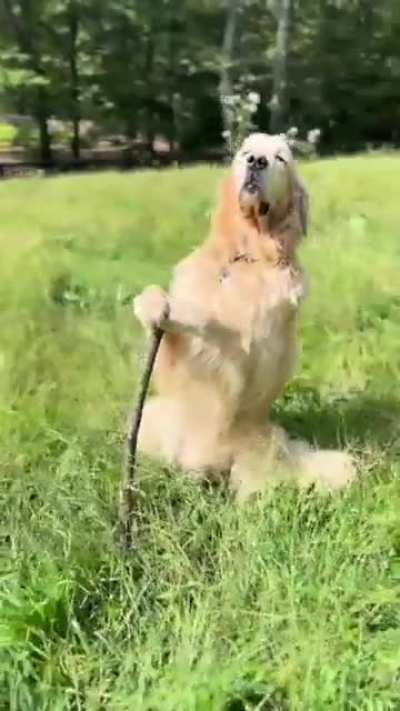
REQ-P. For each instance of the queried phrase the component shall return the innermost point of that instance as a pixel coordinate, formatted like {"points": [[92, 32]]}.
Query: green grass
{"points": [[291, 603]]}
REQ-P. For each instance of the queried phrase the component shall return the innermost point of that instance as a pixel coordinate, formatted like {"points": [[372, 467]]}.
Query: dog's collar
{"points": [[243, 257]]}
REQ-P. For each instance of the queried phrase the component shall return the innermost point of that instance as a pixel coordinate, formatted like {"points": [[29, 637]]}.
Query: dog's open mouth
{"points": [[264, 208], [251, 187]]}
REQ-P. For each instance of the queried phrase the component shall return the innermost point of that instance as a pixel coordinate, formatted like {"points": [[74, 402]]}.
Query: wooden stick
{"points": [[129, 492]]}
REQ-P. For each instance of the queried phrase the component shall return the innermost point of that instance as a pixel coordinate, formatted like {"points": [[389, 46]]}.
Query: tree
{"points": [[142, 69], [226, 88], [73, 21], [23, 23], [278, 104]]}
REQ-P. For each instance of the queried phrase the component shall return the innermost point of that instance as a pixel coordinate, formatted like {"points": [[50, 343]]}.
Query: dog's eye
{"points": [[280, 158]]}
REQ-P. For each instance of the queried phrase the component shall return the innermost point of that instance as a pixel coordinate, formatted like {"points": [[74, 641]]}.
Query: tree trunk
{"points": [[173, 123], [73, 22], [278, 104], [42, 118], [149, 74], [228, 43]]}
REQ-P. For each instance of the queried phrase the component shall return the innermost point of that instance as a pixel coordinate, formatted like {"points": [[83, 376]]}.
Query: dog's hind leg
{"points": [[328, 470], [260, 462], [271, 458], [160, 430]]}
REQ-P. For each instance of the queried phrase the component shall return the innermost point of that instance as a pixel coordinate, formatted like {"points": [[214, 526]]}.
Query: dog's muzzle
{"points": [[252, 192], [252, 186], [252, 182]]}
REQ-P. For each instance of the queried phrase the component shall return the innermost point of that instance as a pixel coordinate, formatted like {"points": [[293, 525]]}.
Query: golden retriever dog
{"points": [[230, 336]]}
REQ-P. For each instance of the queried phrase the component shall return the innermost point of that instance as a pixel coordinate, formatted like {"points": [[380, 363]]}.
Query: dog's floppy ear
{"points": [[301, 201]]}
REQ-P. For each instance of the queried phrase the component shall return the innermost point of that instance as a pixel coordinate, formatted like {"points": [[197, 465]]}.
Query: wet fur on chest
{"points": [[259, 300], [259, 304]]}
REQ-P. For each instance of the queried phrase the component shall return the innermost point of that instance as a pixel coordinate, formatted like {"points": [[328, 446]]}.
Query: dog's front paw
{"points": [[151, 307]]}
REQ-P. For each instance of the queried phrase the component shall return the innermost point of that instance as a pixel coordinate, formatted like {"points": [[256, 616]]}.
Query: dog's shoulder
{"points": [[290, 285], [196, 271]]}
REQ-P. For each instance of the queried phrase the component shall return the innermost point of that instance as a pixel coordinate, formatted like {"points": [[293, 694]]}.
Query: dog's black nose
{"points": [[261, 163], [257, 163]]}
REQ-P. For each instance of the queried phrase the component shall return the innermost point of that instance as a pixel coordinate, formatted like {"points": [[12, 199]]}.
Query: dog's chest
{"points": [[259, 301], [262, 305]]}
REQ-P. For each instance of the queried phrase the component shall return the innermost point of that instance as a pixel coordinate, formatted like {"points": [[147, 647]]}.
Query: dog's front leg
{"points": [[151, 308], [155, 309]]}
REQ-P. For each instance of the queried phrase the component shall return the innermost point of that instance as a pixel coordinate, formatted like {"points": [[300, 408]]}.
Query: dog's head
{"points": [[266, 181]]}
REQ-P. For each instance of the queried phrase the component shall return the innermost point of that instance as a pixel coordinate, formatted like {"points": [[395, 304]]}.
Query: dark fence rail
{"points": [[24, 167]]}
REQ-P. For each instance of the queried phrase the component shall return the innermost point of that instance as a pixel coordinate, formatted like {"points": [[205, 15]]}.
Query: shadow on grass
{"points": [[259, 701], [355, 420]]}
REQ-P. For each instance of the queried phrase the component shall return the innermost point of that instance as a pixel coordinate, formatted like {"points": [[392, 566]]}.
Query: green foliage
{"points": [[240, 110], [26, 136], [144, 69], [7, 134], [291, 603]]}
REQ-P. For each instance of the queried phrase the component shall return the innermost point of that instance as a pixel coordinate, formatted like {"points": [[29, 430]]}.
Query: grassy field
{"points": [[291, 603]]}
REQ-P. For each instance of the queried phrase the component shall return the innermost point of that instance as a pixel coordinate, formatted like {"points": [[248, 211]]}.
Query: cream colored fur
{"points": [[230, 340]]}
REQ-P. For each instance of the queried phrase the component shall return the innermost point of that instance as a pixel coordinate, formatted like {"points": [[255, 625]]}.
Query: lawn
{"points": [[290, 603]]}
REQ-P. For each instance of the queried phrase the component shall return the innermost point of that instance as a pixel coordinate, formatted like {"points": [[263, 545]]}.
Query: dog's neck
{"points": [[271, 237]]}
